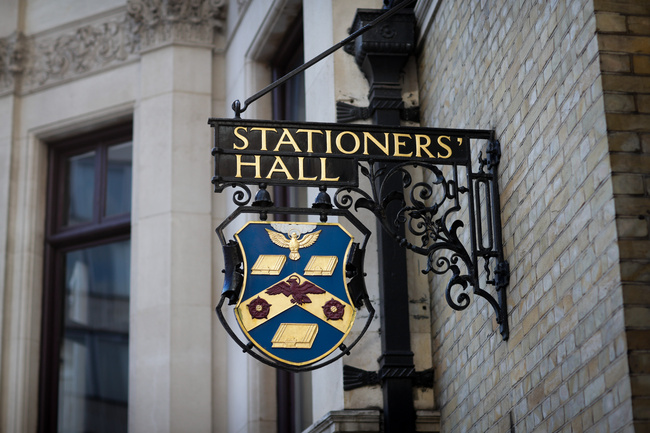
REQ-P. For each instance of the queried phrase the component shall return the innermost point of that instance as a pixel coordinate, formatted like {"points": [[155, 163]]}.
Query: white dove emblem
{"points": [[293, 242]]}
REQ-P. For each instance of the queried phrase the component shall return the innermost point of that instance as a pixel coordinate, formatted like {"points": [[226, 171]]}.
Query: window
{"points": [[85, 333]]}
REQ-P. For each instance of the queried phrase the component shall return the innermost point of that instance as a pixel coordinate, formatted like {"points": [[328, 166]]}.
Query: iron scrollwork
{"points": [[431, 210]]}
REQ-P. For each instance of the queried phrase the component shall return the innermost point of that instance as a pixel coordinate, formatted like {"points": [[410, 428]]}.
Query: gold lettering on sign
{"points": [[255, 164], [444, 146], [287, 139], [264, 131], [328, 141], [323, 172], [357, 142], [310, 133], [399, 144], [419, 147], [279, 167], [384, 148], [241, 137], [301, 170]]}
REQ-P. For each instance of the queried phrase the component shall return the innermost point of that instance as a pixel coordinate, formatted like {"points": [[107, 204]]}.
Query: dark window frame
{"points": [[60, 239]]}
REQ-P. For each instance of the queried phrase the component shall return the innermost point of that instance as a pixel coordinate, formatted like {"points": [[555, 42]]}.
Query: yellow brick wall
{"points": [[532, 72], [624, 42]]}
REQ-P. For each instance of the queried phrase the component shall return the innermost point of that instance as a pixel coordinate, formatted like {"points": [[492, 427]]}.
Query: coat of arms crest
{"points": [[294, 304]]}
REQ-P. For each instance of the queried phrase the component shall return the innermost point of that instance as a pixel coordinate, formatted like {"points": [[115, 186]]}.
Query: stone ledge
{"points": [[358, 421], [368, 421]]}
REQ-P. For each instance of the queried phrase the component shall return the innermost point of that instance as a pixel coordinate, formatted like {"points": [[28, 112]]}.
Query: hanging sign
{"points": [[314, 154], [294, 304]]}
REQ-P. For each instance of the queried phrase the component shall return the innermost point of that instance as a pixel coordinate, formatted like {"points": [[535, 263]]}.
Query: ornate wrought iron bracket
{"points": [[432, 210], [356, 378], [447, 206]]}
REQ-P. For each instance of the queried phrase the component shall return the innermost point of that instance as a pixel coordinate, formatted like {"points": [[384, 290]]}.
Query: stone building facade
{"points": [[565, 85]]}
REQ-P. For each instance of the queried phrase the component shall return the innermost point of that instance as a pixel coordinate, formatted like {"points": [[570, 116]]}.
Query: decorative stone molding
{"points": [[78, 52], [158, 22], [13, 52], [69, 53]]}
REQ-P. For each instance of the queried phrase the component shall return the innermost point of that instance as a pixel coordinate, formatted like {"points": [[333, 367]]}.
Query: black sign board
{"points": [[313, 154]]}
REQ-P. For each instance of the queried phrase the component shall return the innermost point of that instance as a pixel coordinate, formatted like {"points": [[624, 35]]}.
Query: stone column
{"points": [[18, 377], [171, 311]]}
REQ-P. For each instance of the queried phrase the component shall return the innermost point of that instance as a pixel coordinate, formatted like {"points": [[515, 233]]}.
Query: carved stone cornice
{"points": [[159, 22], [79, 51], [68, 53]]}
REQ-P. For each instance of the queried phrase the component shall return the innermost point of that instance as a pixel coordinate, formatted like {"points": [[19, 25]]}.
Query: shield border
{"points": [[245, 279]]}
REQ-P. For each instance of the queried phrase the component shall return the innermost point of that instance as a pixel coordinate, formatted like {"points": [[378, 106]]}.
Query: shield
{"points": [[294, 304]]}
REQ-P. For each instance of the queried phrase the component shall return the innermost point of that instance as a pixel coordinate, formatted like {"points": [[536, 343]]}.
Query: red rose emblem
{"points": [[259, 308], [333, 310]]}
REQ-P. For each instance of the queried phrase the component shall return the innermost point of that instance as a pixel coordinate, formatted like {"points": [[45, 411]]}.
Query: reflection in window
{"points": [[93, 375], [80, 188], [118, 179]]}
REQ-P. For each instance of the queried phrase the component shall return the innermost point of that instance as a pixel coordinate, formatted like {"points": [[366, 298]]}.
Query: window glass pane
{"points": [[93, 374], [80, 188], [295, 91], [118, 182]]}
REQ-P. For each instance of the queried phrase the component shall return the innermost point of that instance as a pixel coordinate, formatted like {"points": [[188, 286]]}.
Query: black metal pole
{"points": [[381, 55], [396, 362]]}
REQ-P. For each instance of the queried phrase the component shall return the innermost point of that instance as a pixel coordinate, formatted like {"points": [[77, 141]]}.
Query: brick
{"points": [[626, 83], [634, 249], [615, 62], [629, 162], [637, 317], [640, 64], [640, 384], [617, 371], [639, 25], [641, 408], [643, 103], [628, 184], [619, 102], [610, 22], [591, 347], [634, 206], [620, 417], [645, 143], [552, 381], [624, 142], [632, 227], [626, 122], [536, 396], [636, 295], [636, 272], [624, 43], [594, 390], [623, 6]]}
